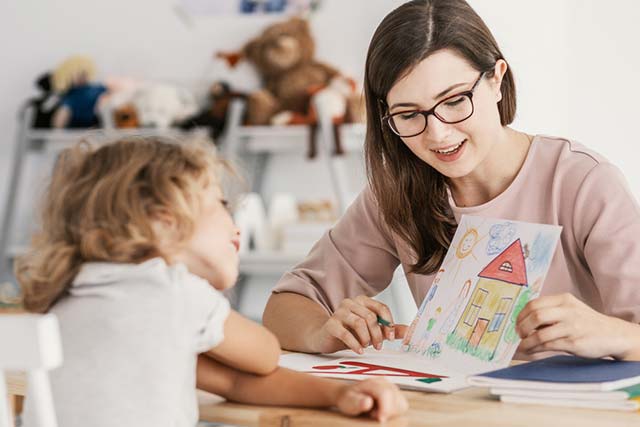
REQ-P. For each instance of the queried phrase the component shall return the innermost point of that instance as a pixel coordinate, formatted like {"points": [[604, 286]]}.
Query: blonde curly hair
{"points": [[101, 205]]}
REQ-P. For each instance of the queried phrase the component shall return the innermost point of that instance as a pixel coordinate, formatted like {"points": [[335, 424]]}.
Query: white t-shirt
{"points": [[131, 334]]}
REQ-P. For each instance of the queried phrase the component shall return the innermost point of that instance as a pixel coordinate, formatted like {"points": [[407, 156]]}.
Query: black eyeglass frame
{"points": [[387, 118]]}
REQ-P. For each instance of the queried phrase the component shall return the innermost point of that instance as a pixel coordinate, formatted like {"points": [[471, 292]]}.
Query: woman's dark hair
{"points": [[412, 196]]}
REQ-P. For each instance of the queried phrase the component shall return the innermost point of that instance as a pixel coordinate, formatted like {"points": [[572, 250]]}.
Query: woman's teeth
{"points": [[449, 150]]}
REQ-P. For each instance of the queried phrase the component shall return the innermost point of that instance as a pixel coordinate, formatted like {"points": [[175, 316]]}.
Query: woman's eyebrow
{"points": [[440, 95]]}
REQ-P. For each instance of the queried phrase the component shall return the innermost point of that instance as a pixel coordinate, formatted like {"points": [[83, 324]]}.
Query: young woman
{"points": [[440, 97]]}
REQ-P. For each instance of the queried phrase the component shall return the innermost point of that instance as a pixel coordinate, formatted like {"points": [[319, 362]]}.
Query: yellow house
{"points": [[484, 318]]}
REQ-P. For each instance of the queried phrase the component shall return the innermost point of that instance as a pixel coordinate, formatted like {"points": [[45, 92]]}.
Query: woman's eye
{"points": [[409, 116], [454, 101]]}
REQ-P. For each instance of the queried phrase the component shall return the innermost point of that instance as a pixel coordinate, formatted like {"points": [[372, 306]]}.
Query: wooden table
{"points": [[471, 407]]}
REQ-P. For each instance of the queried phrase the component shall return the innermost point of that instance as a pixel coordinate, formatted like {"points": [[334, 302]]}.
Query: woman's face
{"points": [[212, 252], [454, 150]]}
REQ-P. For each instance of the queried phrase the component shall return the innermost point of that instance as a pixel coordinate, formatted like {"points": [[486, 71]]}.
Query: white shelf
{"points": [[275, 263], [281, 139], [272, 139]]}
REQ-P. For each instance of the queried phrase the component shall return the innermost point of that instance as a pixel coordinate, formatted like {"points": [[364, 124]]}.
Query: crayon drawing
{"points": [[480, 292], [480, 327]]}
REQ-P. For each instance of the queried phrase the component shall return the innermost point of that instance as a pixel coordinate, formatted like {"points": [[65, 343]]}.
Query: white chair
{"points": [[30, 343]]}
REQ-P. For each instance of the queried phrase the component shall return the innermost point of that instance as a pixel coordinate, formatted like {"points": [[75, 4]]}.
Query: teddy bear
{"points": [[283, 55]]}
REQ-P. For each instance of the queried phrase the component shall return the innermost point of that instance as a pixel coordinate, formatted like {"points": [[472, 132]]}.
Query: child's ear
{"points": [[164, 227]]}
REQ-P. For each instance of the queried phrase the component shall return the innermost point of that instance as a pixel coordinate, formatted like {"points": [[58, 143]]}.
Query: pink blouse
{"points": [[561, 182]]}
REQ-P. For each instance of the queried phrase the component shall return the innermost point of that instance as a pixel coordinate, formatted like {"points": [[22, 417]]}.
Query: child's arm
{"points": [[247, 346], [378, 397]]}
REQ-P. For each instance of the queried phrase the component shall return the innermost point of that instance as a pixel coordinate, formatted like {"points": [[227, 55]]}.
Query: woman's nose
{"points": [[436, 130]]}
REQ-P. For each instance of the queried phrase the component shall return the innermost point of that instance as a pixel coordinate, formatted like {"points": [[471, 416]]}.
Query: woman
{"points": [[440, 97]]}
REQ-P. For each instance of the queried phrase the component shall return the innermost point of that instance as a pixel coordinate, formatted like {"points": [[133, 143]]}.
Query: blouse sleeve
{"points": [[357, 256], [607, 227]]}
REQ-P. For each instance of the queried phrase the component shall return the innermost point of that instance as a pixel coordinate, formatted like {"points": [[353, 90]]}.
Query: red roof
{"points": [[509, 266]]}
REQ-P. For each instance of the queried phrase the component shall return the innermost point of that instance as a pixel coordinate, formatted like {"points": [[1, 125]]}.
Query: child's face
{"points": [[212, 252]]}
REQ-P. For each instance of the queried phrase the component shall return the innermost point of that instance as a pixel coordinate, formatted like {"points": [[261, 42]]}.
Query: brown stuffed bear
{"points": [[283, 56]]}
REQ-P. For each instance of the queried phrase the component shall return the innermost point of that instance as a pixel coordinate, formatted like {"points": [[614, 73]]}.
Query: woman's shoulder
{"points": [[572, 169], [568, 152], [566, 159]]}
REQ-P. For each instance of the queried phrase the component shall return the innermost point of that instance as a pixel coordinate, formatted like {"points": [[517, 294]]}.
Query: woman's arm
{"points": [[243, 341], [353, 325], [285, 387], [324, 304]]}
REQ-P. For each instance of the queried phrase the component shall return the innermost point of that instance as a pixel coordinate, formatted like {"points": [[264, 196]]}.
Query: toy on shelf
{"points": [[163, 105], [126, 117], [45, 104], [80, 95], [283, 55], [214, 115]]}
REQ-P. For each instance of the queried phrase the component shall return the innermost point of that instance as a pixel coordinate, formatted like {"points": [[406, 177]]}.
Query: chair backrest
{"points": [[30, 343]]}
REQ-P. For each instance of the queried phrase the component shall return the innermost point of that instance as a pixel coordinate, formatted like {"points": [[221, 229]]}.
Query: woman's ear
{"points": [[499, 71]]}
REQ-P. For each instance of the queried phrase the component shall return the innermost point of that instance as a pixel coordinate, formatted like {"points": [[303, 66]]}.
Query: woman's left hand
{"points": [[564, 323]]}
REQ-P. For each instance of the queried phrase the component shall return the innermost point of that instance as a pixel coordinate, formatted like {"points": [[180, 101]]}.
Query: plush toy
{"points": [[45, 104], [80, 97], [283, 55], [163, 105], [126, 117], [214, 114]]}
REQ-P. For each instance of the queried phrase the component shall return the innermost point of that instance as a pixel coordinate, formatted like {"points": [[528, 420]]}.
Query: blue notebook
{"points": [[563, 373]]}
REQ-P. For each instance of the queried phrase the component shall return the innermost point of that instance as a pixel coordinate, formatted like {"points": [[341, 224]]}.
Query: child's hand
{"points": [[377, 397]]}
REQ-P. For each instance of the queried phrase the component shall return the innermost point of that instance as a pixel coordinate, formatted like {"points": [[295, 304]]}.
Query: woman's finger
{"points": [[526, 325], [336, 329], [543, 336], [542, 303], [359, 328], [371, 319], [381, 310]]}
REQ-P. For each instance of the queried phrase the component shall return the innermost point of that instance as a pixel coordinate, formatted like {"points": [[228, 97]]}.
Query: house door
{"points": [[478, 331]]}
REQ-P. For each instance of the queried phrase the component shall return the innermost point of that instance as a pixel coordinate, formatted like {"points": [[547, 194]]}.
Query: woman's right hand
{"points": [[354, 325]]}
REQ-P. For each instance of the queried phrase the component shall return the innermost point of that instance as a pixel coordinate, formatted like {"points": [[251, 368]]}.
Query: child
{"points": [[135, 238]]}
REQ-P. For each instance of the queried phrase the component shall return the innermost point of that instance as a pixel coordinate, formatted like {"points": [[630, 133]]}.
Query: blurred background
{"points": [[169, 65]]}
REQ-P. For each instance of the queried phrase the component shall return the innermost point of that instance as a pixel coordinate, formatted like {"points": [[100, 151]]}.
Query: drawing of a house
{"points": [[480, 327]]}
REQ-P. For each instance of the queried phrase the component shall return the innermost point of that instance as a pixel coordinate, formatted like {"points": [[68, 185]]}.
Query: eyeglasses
{"points": [[454, 109]]}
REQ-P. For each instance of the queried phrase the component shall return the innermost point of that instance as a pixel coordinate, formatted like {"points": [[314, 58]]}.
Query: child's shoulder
{"points": [[155, 272]]}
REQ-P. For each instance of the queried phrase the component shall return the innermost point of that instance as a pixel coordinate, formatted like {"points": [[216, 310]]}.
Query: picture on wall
{"points": [[250, 7]]}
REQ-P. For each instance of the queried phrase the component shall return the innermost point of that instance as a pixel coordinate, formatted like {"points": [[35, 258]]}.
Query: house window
{"points": [[476, 305], [498, 318], [506, 266]]}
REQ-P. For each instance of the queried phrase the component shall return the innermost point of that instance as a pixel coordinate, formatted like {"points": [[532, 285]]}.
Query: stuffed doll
{"points": [[45, 104], [80, 96], [162, 105], [126, 117], [214, 114]]}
